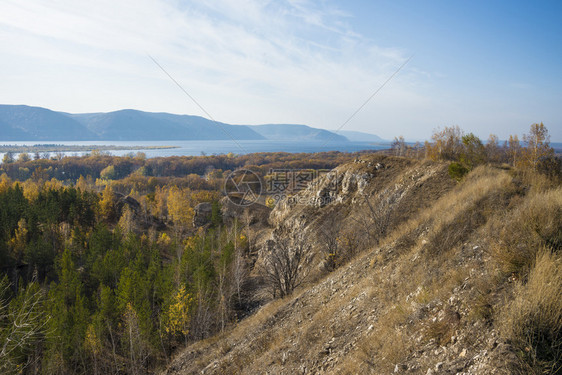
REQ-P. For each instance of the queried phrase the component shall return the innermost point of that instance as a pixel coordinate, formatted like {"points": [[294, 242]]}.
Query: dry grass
{"points": [[535, 223], [389, 343], [440, 331], [425, 249], [482, 307], [533, 321], [447, 211]]}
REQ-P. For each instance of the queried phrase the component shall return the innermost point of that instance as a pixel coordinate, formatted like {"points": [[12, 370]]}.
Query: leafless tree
{"points": [[399, 146], [375, 224], [239, 272], [138, 350], [284, 266], [22, 326], [203, 316], [247, 220]]}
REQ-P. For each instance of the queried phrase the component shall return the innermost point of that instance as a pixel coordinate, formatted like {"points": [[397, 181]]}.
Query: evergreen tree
{"points": [[68, 320]]}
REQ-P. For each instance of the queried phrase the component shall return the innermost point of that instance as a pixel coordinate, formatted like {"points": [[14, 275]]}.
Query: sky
{"points": [[487, 66]]}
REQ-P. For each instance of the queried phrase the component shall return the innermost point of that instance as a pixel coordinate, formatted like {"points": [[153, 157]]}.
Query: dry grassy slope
{"points": [[422, 300]]}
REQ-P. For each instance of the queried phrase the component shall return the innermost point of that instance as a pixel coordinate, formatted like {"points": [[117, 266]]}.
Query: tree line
{"points": [[99, 165], [466, 151]]}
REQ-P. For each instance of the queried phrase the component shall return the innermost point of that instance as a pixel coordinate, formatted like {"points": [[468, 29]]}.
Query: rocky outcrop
{"points": [[255, 213], [132, 203], [141, 218], [202, 215]]}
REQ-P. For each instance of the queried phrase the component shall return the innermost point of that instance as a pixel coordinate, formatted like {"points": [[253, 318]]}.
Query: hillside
{"points": [[431, 277], [25, 123], [135, 125]]}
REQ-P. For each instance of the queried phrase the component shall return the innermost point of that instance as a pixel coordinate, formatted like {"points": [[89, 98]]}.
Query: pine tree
{"points": [[474, 152], [68, 319]]}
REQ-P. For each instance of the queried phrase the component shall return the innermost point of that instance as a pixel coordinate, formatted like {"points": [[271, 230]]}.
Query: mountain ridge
{"points": [[28, 123]]}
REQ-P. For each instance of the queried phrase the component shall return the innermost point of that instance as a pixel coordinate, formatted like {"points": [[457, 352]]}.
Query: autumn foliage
{"points": [[466, 151]]}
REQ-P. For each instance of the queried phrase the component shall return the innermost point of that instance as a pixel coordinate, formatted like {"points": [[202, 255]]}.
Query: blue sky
{"points": [[487, 66]]}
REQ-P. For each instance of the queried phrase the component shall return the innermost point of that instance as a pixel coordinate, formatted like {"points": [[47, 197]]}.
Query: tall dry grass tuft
{"points": [[533, 321], [535, 223]]}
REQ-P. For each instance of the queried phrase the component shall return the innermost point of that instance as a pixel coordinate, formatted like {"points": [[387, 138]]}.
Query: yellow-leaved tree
{"points": [[178, 317], [107, 207], [179, 208], [18, 242], [127, 221], [538, 146], [447, 143], [180, 212], [513, 149], [5, 182]]}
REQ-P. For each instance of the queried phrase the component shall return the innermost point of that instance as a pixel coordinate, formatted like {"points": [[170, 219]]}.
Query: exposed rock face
{"points": [[202, 214], [391, 181], [355, 182]]}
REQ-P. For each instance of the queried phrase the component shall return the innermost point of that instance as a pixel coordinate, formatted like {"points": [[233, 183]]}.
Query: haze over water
{"points": [[193, 148]]}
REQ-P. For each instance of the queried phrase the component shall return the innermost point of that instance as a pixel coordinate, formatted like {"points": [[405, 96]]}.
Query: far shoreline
{"points": [[4, 148]]}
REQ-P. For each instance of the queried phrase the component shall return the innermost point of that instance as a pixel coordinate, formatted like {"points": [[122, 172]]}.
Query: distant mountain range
{"points": [[25, 123]]}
